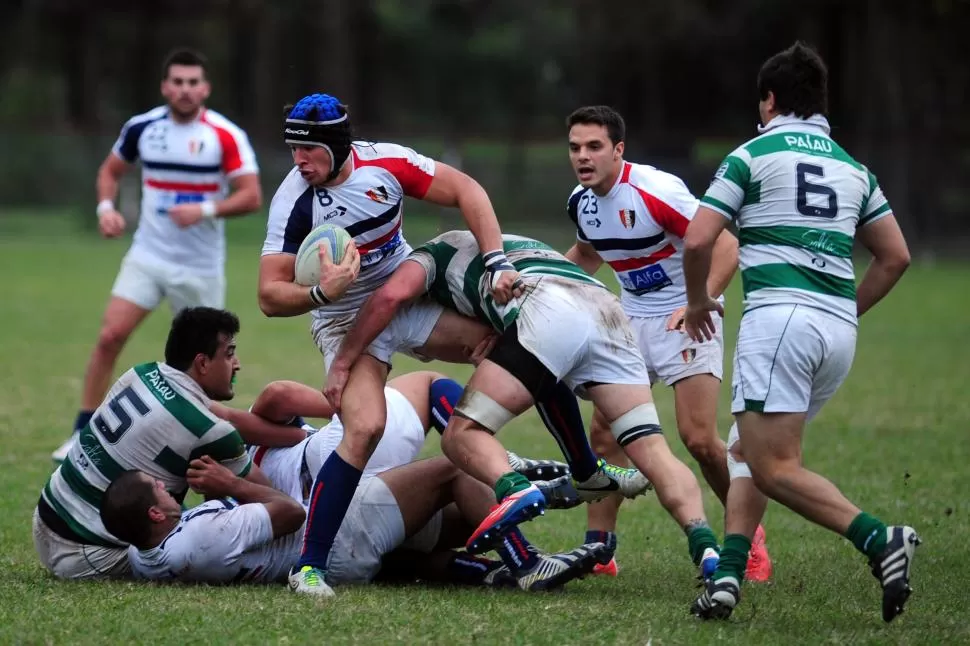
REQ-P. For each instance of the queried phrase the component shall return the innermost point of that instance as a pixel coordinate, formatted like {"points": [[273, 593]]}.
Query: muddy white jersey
{"points": [[220, 541], [183, 163], [369, 204], [638, 229]]}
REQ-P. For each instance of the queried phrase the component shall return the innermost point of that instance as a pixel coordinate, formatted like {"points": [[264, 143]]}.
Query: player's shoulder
{"points": [[375, 151], [289, 192], [656, 182], [219, 121], [155, 114]]}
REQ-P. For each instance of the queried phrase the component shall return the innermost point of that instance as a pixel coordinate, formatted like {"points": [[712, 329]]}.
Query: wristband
{"points": [[318, 297], [104, 206], [208, 209], [496, 257]]}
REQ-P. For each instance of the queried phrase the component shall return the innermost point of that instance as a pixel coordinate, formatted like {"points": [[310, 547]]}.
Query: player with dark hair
{"points": [[799, 202], [198, 168]]}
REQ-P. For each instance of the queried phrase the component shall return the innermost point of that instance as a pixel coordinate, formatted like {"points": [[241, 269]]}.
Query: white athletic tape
{"points": [[484, 410]]}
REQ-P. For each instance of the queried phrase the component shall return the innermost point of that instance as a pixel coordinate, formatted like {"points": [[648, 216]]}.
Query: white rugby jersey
{"points": [[638, 229], [369, 204], [220, 541], [155, 419], [797, 198], [183, 163]]}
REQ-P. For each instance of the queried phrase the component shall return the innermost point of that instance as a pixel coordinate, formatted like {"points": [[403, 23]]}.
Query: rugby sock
{"points": [[82, 419], [466, 569], [599, 536], [333, 490], [868, 534], [734, 557], [509, 484], [444, 396], [560, 413], [516, 552], [699, 538]]}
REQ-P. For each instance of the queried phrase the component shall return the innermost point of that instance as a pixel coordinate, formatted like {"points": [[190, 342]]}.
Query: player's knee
{"points": [[737, 467], [484, 411], [111, 339], [601, 439], [704, 445], [272, 399], [639, 422], [364, 432]]}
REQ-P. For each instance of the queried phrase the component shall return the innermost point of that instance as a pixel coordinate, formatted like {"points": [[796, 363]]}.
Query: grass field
{"points": [[895, 438]]}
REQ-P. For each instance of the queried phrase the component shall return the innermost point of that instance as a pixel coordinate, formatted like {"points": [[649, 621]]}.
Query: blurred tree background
{"points": [[487, 84]]}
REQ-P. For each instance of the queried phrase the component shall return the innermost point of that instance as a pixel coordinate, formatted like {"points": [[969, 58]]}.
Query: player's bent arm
{"points": [[256, 476], [890, 258], [246, 196], [699, 241], [586, 256], [259, 430], [110, 172], [406, 283], [285, 514], [283, 400], [724, 262], [278, 294], [451, 187]]}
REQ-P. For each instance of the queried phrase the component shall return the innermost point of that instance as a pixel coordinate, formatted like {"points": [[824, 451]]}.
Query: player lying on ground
{"points": [[361, 187], [156, 419], [633, 217], [567, 327], [799, 201], [400, 503]]}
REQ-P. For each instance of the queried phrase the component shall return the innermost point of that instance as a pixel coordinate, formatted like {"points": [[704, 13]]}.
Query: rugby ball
{"points": [[307, 270]]}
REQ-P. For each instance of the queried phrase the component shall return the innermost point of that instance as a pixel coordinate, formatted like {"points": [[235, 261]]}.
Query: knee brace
{"points": [[736, 468], [483, 410], [443, 397], [642, 421]]}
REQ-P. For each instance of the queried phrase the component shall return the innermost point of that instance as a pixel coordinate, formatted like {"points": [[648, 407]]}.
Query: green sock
{"points": [[868, 534], [734, 557], [699, 539], [509, 484]]}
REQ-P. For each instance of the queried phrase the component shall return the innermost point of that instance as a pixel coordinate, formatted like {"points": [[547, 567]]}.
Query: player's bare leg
{"points": [[695, 404], [601, 516], [120, 319], [635, 425]]}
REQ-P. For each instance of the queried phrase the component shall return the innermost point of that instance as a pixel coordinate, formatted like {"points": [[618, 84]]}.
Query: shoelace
{"points": [[312, 576]]}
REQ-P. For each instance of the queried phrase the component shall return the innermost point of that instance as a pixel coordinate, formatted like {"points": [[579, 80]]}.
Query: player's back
{"points": [[798, 199], [457, 273], [154, 419]]}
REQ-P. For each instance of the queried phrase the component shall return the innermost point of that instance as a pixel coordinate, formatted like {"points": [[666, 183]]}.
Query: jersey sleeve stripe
{"points": [[627, 264], [719, 206], [227, 447], [736, 171], [127, 146], [413, 180], [666, 216], [869, 217], [194, 420]]}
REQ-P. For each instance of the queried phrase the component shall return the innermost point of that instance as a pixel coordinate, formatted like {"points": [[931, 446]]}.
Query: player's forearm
{"points": [[372, 319], [281, 298], [240, 202], [480, 217], [588, 263], [259, 430], [697, 267], [879, 279], [724, 262], [107, 184], [286, 515]]}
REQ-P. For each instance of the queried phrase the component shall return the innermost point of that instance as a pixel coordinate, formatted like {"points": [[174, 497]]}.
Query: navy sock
{"points": [[82, 419], [600, 536], [560, 413], [466, 569], [296, 421], [516, 552], [332, 492]]}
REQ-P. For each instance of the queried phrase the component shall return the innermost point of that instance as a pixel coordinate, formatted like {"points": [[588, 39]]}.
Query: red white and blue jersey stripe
{"points": [[369, 204], [638, 229], [183, 163]]}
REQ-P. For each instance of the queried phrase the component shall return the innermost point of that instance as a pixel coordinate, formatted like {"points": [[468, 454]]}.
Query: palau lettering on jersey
{"points": [[160, 385], [818, 144]]}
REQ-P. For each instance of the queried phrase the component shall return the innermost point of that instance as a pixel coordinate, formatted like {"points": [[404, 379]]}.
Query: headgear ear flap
{"points": [[320, 120]]}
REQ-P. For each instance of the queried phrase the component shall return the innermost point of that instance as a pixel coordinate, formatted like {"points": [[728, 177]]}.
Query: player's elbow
{"points": [[898, 261], [287, 518], [695, 242], [254, 198], [268, 305]]}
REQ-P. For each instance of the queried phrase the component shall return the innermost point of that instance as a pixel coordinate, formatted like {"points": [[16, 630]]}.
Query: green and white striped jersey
{"points": [[456, 273], [155, 419], [797, 198]]}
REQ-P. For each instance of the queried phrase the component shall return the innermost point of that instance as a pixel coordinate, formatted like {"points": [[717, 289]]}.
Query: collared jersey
{"points": [[797, 198], [369, 205], [155, 419], [183, 163], [638, 229]]}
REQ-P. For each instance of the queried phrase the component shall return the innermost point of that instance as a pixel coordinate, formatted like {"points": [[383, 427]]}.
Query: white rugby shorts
{"points": [[145, 283], [672, 356], [66, 559]]}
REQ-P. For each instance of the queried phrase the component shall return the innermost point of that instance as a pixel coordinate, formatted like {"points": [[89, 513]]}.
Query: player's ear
{"points": [[155, 514], [618, 150], [201, 363]]}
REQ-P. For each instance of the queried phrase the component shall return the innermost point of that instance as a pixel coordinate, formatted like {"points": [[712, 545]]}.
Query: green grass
{"points": [[894, 438]]}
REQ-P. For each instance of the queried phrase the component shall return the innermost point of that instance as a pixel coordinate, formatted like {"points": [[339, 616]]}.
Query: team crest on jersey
{"points": [[378, 194], [688, 354], [195, 146], [628, 218]]}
